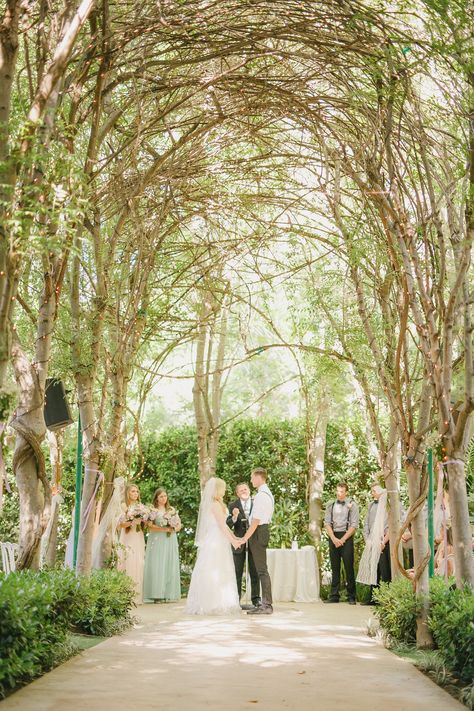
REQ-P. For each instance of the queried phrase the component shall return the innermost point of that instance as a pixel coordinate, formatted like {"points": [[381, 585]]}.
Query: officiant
{"points": [[238, 521]]}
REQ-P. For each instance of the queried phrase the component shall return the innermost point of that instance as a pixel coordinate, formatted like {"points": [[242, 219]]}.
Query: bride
{"points": [[213, 589]]}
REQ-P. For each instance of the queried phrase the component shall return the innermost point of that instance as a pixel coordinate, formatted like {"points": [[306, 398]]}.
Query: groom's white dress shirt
{"points": [[263, 505]]}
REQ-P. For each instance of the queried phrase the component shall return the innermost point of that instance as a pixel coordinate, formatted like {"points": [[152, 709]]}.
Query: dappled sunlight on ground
{"points": [[303, 658], [229, 640]]}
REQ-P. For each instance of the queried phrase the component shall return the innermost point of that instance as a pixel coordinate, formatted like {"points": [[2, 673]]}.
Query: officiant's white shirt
{"points": [[246, 506], [263, 505]]}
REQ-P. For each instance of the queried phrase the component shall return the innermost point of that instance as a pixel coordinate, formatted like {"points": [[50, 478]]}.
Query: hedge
{"points": [[40, 609], [451, 621]]}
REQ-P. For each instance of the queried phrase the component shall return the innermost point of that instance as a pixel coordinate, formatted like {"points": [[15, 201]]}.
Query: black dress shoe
{"points": [[247, 607], [352, 602], [261, 610], [369, 602], [330, 600]]}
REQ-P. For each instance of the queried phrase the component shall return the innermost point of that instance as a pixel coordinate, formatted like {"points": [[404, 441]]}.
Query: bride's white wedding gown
{"points": [[213, 588]]}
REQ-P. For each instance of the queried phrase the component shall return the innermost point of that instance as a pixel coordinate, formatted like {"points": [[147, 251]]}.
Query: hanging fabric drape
{"points": [[367, 573], [107, 532]]}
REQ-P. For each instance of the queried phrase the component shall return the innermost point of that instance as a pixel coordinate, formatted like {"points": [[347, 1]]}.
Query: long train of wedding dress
{"points": [[213, 588]]}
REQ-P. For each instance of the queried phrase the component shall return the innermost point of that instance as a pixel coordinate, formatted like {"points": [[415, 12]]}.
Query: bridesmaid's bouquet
{"points": [[170, 519], [137, 511]]}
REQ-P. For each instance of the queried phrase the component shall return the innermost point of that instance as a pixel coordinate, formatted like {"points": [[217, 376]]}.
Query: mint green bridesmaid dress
{"points": [[161, 577]]}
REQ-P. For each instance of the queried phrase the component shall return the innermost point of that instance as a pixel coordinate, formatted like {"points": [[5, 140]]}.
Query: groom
{"points": [[238, 521], [258, 535]]}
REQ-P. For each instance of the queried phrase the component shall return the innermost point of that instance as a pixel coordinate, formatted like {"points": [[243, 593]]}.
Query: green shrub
{"points": [[451, 622], [34, 624], [104, 603], [396, 611], [38, 610], [466, 696], [432, 662]]}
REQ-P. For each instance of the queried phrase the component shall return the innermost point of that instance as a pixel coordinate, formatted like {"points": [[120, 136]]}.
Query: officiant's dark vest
{"points": [[241, 525]]}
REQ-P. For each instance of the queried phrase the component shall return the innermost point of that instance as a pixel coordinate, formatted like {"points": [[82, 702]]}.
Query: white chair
{"points": [[9, 552]]}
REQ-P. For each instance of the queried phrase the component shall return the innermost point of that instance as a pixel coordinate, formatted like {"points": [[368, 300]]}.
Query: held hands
{"points": [[162, 529], [237, 542], [338, 542]]}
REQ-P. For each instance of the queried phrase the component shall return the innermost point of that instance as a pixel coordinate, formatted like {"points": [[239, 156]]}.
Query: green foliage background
{"points": [[171, 460]]}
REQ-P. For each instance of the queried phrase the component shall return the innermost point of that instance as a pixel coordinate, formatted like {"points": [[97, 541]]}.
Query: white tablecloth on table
{"points": [[294, 574]]}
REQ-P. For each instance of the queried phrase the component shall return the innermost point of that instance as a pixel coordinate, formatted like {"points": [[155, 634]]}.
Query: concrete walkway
{"points": [[304, 657]]}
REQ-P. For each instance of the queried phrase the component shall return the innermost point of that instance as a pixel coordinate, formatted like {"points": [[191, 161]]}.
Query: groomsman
{"points": [[239, 521], [258, 536], [341, 520]]}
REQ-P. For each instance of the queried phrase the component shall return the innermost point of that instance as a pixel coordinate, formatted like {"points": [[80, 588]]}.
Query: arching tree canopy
{"points": [[211, 182]]}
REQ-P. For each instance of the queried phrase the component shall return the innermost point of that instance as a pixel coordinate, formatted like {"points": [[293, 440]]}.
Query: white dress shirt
{"points": [[246, 506], [263, 505]]}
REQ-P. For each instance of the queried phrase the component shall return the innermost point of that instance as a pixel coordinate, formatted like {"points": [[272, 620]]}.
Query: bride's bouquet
{"points": [[169, 519], [137, 511]]}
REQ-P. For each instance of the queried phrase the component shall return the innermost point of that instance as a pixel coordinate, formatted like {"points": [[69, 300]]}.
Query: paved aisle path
{"points": [[304, 657]]}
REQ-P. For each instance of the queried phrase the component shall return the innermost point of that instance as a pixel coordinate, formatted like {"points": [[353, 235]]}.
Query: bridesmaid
{"points": [[131, 552], [162, 578]]}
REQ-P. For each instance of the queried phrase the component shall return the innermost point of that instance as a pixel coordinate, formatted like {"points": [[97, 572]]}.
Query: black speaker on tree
{"points": [[57, 413]]}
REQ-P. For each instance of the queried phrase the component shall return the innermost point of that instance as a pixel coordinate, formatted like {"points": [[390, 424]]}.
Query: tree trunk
{"points": [[45, 98], [392, 484], [316, 452], [461, 527], [85, 369], [114, 459], [216, 386], [200, 393], [417, 491], [91, 473], [28, 460], [8, 56], [207, 388], [28, 422], [49, 541]]}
